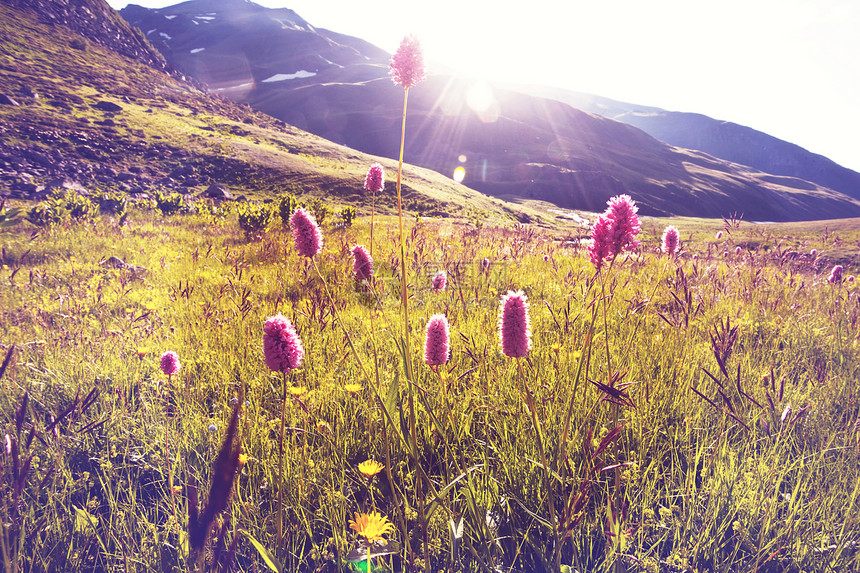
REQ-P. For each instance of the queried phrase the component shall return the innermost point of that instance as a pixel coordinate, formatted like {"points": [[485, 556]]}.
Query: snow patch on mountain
{"points": [[297, 75]]}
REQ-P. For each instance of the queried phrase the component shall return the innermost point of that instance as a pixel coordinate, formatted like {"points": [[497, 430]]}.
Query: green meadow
{"points": [[697, 412]]}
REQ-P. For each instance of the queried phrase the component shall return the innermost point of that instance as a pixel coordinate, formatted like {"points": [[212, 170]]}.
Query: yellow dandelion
{"points": [[371, 526], [297, 390], [243, 459], [142, 352], [353, 388], [577, 354], [556, 347], [370, 468]]}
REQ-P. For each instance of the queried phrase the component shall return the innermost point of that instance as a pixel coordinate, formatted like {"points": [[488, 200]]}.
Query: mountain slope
{"points": [[510, 144], [722, 139], [79, 111]]}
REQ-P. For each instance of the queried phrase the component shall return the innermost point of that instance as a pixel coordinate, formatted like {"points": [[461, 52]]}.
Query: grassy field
{"points": [[689, 413]]}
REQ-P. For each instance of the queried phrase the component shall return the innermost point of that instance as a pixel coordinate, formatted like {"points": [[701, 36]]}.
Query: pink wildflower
{"points": [[306, 233], [625, 223], [440, 280], [375, 179], [514, 325], [695, 256], [282, 347], [738, 251], [362, 264], [407, 63], [835, 275], [850, 278], [546, 258], [813, 253], [436, 341], [600, 249], [670, 240], [170, 363], [719, 235], [485, 266]]}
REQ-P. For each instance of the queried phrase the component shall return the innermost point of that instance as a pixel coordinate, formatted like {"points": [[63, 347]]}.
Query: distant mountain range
{"points": [[512, 142], [722, 139]]}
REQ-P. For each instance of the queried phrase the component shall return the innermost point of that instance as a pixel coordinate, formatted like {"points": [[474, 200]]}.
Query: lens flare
{"points": [[459, 174], [462, 158]]}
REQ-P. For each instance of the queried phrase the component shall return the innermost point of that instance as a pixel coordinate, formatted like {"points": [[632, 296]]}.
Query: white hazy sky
{"points": [[790, 68]]}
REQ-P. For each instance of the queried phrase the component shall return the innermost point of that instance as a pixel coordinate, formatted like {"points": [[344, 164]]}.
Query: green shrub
{"points": [[254, 219], [320, 210], [286, 205], [171, 204], [348, 215]]}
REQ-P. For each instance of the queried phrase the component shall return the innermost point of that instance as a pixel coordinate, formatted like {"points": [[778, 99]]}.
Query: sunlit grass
{"points": [[755, 468]]}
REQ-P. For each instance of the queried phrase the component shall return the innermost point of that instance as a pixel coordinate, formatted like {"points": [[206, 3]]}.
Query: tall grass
{"points": [[736, 446]]}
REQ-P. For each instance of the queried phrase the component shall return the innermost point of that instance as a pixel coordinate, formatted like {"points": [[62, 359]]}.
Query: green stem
{"points": [[281, 465]]}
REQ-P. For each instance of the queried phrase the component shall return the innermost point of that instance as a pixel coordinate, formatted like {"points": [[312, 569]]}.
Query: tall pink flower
{"points": [[362, 264], [407, 63], [282, 347], [670, 240], [170, 363], [436, 341], [835, 275], [306, 233], [440, 280], [600, 248], [622, 211], [514, 325], [375, 179]]}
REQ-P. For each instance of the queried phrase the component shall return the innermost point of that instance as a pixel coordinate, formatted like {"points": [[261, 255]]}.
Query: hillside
{"points": [[515, 145], [78, 114], [723, 139]]}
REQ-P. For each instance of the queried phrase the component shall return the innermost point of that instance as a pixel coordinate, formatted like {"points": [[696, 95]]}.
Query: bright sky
{"points": [[789, 68]]}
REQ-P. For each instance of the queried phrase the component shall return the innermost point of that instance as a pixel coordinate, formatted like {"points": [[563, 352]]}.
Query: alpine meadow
{"points": [[365, 366]]}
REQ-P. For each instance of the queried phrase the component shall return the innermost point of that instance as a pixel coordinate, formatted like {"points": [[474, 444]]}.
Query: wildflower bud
{"points": [[599, 250], [622, 211], [362, 264], [835, 275], [514, 325], [306, 233], [436, 340], [485, 266], [719, 235], [439, 281], [670, 240], [170, 363], [738, 251], [375, 179], [407, 63], [282, 348]]}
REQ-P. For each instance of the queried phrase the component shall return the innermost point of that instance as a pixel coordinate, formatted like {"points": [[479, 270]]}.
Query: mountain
{"points": [[511, 144], [723, 139], [87, 103]]}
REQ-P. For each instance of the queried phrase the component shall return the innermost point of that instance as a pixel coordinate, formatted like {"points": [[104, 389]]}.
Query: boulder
{"points": [[217, 192], [118, 263], [110, 106]]}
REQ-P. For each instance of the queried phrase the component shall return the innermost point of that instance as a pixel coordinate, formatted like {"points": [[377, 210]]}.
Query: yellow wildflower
{"points": [[371, 526], [370, 468]]}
